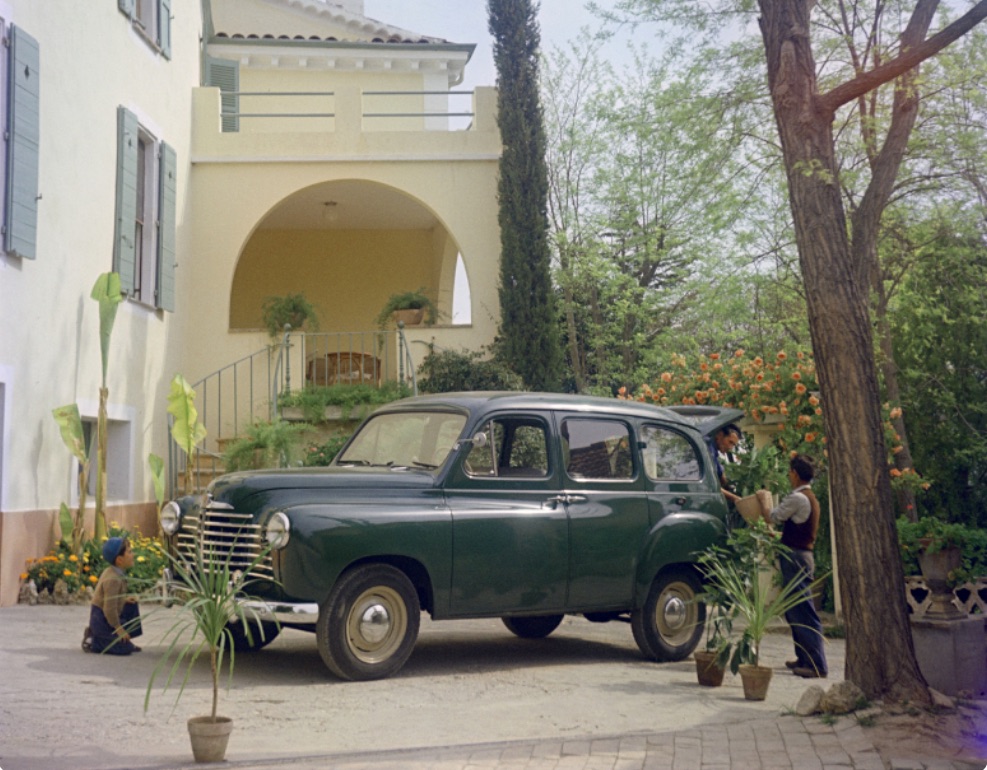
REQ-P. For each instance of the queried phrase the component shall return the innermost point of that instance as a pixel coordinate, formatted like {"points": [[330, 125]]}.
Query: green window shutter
{"points": [[167, 195], [127, 7], [126, 199], [225, 75], [164, 27], [20, 215]]}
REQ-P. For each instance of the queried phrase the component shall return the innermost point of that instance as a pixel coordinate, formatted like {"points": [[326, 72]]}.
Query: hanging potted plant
{"points": [[210, 619], [291, 309], [734, 571], [410, 308]]}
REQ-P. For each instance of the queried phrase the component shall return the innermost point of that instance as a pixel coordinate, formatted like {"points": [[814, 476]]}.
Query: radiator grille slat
{"points": [[225, 535]]}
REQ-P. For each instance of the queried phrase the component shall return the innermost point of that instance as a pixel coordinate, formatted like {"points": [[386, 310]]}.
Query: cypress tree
{"points": [[529, 331]]}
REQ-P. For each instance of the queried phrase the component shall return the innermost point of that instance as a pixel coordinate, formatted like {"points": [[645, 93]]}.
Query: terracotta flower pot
{"points": [[756, 680], [209, 738], [411, 317], [708, 673]]}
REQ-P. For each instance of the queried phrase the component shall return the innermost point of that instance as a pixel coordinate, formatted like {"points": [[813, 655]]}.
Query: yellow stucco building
{"points": [[216, 153]]}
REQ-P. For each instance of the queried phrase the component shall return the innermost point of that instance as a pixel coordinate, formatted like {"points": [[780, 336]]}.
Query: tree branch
{"points": [[911, 57]]}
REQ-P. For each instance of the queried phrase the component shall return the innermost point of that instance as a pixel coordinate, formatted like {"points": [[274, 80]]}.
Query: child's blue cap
{"points": [[112, 548]]}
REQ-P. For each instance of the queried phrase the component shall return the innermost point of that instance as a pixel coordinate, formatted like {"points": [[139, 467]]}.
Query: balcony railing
{"points": [[381, 110]]}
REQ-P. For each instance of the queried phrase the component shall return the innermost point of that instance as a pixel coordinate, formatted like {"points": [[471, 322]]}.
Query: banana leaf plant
{"points": [[186, 429], [106, 291], [70, 426]]}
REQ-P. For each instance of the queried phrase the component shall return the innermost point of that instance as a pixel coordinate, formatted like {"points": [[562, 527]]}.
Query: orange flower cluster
{"points": [[780, 392]]}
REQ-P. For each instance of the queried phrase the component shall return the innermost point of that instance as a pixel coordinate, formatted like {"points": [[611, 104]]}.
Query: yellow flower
{"points": [[73, 557], [24, 576], [67, 573], [93, 579], [141, 558]]}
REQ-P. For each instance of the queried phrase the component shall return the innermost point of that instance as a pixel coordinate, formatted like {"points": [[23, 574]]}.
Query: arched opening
{"points": [[347, 246]]}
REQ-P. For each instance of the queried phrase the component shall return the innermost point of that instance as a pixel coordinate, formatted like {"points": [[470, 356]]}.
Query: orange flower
{"points": [[93, 579], [800, 355], [666, 377], [738, 353], [810, 437], [813, 401], [758, 361], [800, 388], [73, 557], [818, 411], [67, 573], [660, 391], [714, 356], [24, 576], [704, 366], [782, 355], [895, 473], [895, 413], [796, 375], [897, 449], [760, 376]]}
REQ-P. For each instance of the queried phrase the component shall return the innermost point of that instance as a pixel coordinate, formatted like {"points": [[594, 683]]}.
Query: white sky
{"points": [[465, 21]]}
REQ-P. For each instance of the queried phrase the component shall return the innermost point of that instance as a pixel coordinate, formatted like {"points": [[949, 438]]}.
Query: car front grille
{"points": [[225, 538]]}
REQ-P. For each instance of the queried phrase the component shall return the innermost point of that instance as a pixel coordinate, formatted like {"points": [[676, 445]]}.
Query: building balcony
{"points": [[347, 124]]}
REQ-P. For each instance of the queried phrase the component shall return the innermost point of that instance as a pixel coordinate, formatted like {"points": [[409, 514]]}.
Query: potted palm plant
{"points": [[208, 623], [734, 572]]}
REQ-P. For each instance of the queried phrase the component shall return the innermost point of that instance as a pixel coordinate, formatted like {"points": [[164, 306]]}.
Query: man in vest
{"points": [[798, 514]]}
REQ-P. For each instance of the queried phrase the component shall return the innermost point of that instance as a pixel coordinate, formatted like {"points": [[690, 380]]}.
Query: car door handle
{"points": [[564, 498], [680, 500]]}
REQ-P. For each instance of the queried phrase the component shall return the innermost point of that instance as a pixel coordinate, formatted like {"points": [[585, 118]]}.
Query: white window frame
{"points": [[119, 453]]}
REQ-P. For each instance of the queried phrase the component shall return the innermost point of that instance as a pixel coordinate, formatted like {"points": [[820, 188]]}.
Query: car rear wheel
{"points": [[670, 624], [368, 626], [261, 634], [537, 627]]}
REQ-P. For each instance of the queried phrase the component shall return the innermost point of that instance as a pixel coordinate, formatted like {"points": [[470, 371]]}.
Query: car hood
{"points": [[245, 483]]}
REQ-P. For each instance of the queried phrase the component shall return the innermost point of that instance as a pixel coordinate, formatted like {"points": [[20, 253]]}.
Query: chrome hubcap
{"points": [[375, 623]]}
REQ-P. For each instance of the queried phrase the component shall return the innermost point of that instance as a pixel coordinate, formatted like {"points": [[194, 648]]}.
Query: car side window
{"points": [[516, 447], [597, 449], [668, 455]]}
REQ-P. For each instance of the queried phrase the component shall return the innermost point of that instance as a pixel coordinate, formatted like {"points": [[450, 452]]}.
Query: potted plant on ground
{"points": [[713, 659], [209, 621], [292, 309], [734, 572], [410, 308]]}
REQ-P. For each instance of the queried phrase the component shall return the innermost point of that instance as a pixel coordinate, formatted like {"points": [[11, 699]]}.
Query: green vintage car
{"points": [[523, 506]]}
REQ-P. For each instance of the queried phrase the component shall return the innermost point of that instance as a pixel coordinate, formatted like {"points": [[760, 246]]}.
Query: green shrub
{"points": [[448, 371], [355, 401], [317, 455], [266, 445]]}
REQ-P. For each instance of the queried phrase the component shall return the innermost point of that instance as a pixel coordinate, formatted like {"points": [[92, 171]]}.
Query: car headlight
{"points": [[171, 517], [278, 530]]}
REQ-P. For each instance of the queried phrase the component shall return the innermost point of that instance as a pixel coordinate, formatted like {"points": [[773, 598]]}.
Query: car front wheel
{"points": [[670, 624], [368, 626]]}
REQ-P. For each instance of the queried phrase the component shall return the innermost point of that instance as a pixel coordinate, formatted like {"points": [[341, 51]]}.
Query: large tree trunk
{"points": [[880, 656]]}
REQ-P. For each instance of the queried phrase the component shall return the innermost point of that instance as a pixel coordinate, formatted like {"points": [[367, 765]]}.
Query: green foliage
{"points": [[408, 300], [291, 309], [448, 371], [932, 534], [736, 576], [266, 445], [156, 464], [82, 569], [106, 291], [207, 589], [186, 429], [355, 401], [322, 454], [528, 325], [70, 427]]}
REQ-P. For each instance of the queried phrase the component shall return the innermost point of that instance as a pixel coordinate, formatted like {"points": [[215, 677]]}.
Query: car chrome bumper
{"points": [[288, 613]]}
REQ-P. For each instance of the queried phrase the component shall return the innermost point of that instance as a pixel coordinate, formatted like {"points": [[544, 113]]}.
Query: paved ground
{"points": [[471, 697]]}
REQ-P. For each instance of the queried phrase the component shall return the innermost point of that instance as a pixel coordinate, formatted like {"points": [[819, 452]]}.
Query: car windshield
{"points": [[404, 439]]}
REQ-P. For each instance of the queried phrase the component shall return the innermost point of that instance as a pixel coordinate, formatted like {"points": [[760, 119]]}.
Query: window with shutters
{"points": [[19, 109], [152, 20], [144, 240]]}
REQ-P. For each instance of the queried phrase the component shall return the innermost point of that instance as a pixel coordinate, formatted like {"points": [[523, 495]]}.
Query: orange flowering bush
{"points": [[780, 392]]}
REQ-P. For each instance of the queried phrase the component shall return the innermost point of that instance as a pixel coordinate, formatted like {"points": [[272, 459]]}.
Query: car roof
{"points": [[473, 401]]}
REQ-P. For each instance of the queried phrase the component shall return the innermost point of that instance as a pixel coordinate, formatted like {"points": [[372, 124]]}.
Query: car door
{"points": [[510, 533], [676, 473], [608, 511]]}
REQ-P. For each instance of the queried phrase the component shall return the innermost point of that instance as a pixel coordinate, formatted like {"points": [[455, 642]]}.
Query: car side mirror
{"points": [[479, 439]]}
